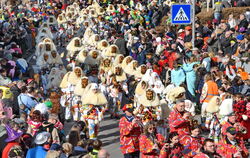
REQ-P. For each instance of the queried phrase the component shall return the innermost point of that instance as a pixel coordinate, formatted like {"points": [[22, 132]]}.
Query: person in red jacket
{"points": [[13, 148], [179, 119], [130, 130], [231, 146], [173, 148], [208, 150], [241, 130], [239, 107], [192, 143], [150, 142], [241, 111]]}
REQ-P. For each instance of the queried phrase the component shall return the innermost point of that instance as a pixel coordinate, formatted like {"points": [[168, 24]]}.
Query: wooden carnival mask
{"points": [[78, 72], [128, 60], [106, 62], [86, 24], [104, 44], [70, 15], [85, 53], [94, 55], [150, 95], [77, 43], [51, 19], [48, 47], [113, 49], [45, 57], [135, 65], [101, 10], [118, 71], [143, 70], [53, 54], [87, 11], [97, 38], [121, 59], [85, 82], [60, 17]]}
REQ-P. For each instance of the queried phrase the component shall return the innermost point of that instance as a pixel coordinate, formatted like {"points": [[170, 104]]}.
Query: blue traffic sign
{"points": [[181, 14]]}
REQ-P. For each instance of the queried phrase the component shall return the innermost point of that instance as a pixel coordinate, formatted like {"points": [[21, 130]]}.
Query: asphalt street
{"points": [[109, 135]]}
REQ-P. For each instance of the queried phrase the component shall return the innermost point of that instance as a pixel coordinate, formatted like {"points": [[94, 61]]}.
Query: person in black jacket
{"points": [[121, 44], [243, 22]]}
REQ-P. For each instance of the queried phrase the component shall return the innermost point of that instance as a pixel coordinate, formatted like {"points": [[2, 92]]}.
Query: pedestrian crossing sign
{"points": [[181, 13]]}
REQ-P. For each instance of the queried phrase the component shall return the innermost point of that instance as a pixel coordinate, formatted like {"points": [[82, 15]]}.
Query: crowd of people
{"points": [[76, 62]]}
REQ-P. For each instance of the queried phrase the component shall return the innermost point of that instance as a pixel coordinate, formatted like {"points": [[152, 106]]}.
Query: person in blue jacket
{"points": [[26, 99], [177, 75], [39, 151], [189, 68]]}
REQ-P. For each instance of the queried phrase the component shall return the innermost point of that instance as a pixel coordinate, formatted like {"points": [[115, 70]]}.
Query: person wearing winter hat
{"points": [[39, 151], [130, 130], [13, 148], [240, 37]]}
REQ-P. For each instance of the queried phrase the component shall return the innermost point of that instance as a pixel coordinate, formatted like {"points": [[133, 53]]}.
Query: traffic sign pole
{"points": [[193, 24]]}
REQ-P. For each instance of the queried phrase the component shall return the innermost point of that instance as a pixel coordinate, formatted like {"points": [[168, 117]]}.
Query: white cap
{"points": [[158, 39], [180, 31]]}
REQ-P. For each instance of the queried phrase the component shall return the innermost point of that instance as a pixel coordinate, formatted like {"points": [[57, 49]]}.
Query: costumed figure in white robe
{"points": [[140, 72], [110, 9], [212, 118], [119, 74], [74, 47], [39, 49], [174, 94], [68, 85], [140, 89], [93, 59], [118, 60], [43, 61], [93, 41], [112, 51], [156, 83], [96, 101], [149, 106], [54, 78], [126, 61], [61, 20], [52, 20], [88, 33], [93, 13], [48, 47], [81, 57], [55, 58], [82, 88], [44, 33], [105, 68], [102, 45], [130, 69]]}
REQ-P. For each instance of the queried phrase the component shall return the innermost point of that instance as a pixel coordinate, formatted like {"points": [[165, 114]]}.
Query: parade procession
{"points": [[125, 79]]}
